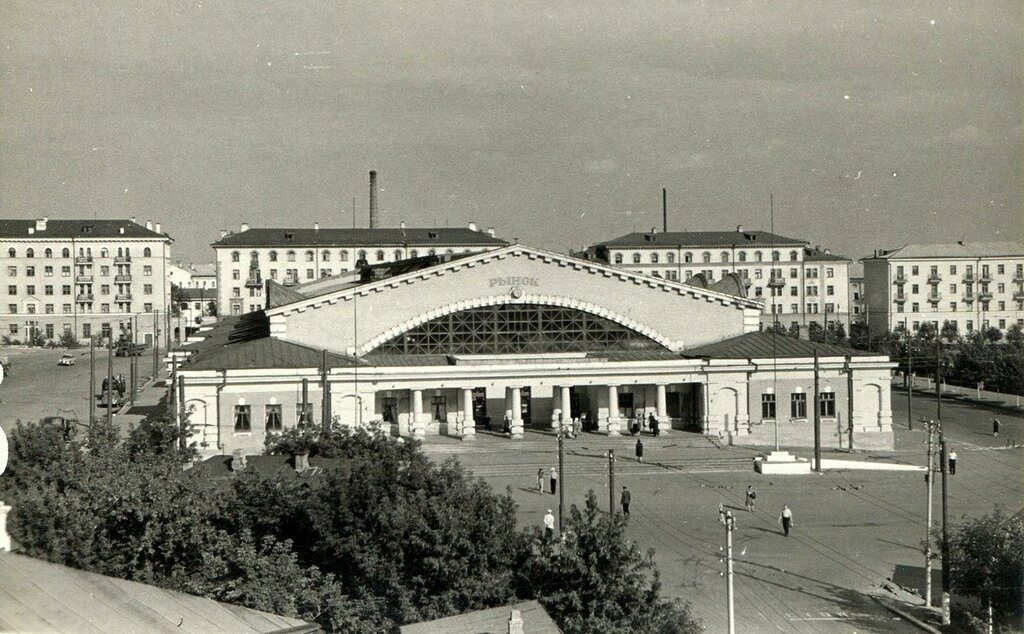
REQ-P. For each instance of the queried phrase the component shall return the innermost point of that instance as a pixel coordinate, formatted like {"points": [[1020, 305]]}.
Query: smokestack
{"points": [[223, 233], [739, 228], [149, 225], [490, 231], [316, 226], [244, 228], [156, 228], [664, 209], [401, 225], [373, 199], [472, 226]]}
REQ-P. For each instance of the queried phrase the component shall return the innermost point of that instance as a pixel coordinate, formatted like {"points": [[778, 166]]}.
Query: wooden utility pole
{"points": [[817, 417], [910, 383], [946, 568], [561, 487], [730, 524], [611, 482], [92, 380], [156, 343], [110, 379], [849, 398], [929, 479]]}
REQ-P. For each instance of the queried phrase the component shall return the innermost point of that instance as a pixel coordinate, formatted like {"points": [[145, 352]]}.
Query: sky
{"points": [[870, 124]]}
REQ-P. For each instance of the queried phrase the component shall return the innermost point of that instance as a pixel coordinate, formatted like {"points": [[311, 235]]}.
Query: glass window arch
{"points": [[670, 257], [147, 252], [705, 257], [236, 256], [793, 256], [618, 258], [310, 256], [272, 256], [48, 253], [654, 258], [688, 257], [30, 252], [725, 256]]}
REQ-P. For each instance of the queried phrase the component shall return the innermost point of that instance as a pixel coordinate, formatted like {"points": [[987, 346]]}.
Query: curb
{"points": [[905, 615]]}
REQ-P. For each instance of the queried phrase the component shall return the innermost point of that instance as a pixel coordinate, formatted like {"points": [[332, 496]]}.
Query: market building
{"points": [[517, 338]]}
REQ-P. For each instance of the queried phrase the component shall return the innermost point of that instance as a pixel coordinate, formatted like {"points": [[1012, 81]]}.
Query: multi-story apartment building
{"points": [[857, 300], [798, 284], [296, 256], [972, 285], [92, 278]]}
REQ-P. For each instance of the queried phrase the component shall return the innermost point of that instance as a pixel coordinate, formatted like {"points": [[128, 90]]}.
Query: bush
{"points": [[68, 340]]}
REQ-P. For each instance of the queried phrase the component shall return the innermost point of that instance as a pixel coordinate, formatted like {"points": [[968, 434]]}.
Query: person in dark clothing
{"points": [[625, 500], [653, 422], [639, 450], [995, 427], [554, 480]]}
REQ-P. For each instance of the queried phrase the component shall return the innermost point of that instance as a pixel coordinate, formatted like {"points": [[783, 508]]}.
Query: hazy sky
{"points": [[873, 123]]}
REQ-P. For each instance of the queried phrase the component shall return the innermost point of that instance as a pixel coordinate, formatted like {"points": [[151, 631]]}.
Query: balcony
{"points": [[899, 279], [123, 297], [1018, 296], [985, 277], [83, 259], [934, 278], [83, 279], [985, 296], [900, 298], [84, 298], [969, 297], [289, 281], [1018, 277], [935, 298], [970, 278], [122, 259], [254, 282], [122, 278], [776, 282]]}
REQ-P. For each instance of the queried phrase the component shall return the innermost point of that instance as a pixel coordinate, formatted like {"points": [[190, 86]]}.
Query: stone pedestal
{"points": [[781, 462]]}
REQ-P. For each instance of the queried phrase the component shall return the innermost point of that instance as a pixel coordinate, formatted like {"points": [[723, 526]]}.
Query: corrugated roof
{"points": [[491, 621], [698, 239], [762, 345], [418, 237], [264, 354], [39, 596], [78, 229], [954, 250]]}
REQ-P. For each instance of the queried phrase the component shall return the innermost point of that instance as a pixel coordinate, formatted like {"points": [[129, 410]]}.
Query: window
{"points": [[30, 253], [1000, 269], [290, 256], [104, 308], [49, 328], [775, 256], [794, 308], [30, 271], [362, 255], [914, 270], [398, 255], [147, 252], [792, 256], [952, 306], [914, 288], [309, 256], [147, 270], [65, 308], [794, 291], [12, 271], [11, 252], [636, 258], [767, 407], [915, 307], [343, 256], [30, 289], [758, 274], [952, 288], [830, 290], [830, 308], [688, 257], [1002, 324], [65, 271], [705, 257], [1000, 287], [272, 256], [670, 257], [147, 307], [952, 269], [13, 309], [725, 256], [304, 414], [798, 405], [827, 405], [273, 418], [48, 289], [325, 272], [792, 274], [235, 257], [243, 422], [812, 290], [48, 272], [147, 289], [743, 256], [830, 272], [654, 258], [618, 258], [236, 274], [65, 252], [310, 274], [12, 290], [439, 408]]}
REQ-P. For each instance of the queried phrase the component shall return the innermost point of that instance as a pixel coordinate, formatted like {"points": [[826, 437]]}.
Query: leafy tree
{"points": [[859, 335], [992, 334], [1015, 337], [950, 332], [597, 581], [988, 564]]}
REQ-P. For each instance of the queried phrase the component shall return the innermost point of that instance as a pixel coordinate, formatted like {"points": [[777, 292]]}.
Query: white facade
{"points": [[971, 285]]}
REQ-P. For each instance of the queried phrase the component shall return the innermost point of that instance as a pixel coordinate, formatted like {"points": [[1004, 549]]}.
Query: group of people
{"points": [[637, 424], [119, 385], [552, 480]]}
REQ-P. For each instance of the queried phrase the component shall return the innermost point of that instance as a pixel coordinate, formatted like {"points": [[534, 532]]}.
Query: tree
{"points": [[950, 332], [992, 334], [859, 335], [68, 340], [988, 562], [1015, 337], [597, 581]]}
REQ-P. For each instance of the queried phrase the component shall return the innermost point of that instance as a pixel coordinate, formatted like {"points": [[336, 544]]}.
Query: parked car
{"points": [[66, 359]]}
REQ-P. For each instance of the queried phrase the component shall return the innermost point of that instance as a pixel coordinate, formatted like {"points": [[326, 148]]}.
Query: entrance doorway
{"points": [[389, 409], [480, 416], [626, 409], [525, 399]]}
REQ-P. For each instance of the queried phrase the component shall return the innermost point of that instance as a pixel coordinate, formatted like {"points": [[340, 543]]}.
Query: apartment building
{"points": [[91, 278], [798, 284], [972, 285], [292, 256]]}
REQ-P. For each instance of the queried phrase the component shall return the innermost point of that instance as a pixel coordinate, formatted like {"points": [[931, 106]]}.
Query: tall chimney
{"points": [[149, 225], [373, 199], [664, 210], [472, 226], [243, 229], [156, 228], [490, 231]]}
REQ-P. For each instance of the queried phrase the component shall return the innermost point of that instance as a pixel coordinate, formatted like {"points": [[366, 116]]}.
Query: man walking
{"points": [[786, 519], [751, 496], [952, 462], [549, 526], [995, 427], [625, 500], [554, 480], [639, 450], [540, 481]]}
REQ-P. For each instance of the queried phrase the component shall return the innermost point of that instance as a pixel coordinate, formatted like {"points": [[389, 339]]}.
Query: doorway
{"points": [[480, 416], [525, 404]]}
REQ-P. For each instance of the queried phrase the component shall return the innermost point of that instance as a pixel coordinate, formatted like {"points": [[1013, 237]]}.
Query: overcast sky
{"points": [[872, 123]]}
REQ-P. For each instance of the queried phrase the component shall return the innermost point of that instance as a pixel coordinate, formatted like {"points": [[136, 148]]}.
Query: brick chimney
{"points": [[373, 199]]}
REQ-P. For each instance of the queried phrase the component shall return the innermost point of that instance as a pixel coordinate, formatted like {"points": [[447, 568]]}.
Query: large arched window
{"points": [[758, 257], [147, 252], [326, 256], [272, 256], [30, 253], [516, 329], [11, 253], [48, 253], [380, 255], [414, 253], [705, 257], [670, 257], [343, 256], [743, 256], [398, 255], [361, 255], [775, 256], [290, 256], [654, 258], [725, 256], [235, 256], [792, 256], [65, 252], [310, 257], [688, 257], [636, 258]]}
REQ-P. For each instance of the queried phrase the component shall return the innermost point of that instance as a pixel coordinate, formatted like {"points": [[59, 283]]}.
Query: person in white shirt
{"points": [[786, 519], [549, 526]]}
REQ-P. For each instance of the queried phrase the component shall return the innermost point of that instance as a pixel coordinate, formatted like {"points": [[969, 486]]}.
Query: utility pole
{"points": [[134, 363], [92, 380], [938, 379], [817, 418], [110, 378], [305, 403], [928, 478], [561, 488], [910, 382], [849, 398], [730, 524], [945, 532], [156, 343], [611, 482], [325, 390]]}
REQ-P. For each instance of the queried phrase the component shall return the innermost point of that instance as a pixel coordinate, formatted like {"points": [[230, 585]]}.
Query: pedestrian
{"points": [[639, 450], [786, 519], [577, 427], [995, 427], [540, 481], [549, 527], [654, 425], [751, 496], [507, 427], [952, 462], [554, 480], [625, 500]]}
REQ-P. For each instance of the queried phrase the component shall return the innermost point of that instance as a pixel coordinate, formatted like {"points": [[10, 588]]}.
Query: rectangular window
{"points": [[952, 288], [147, 270], [30, 289], [794, 308], [439, 407], [47, 271], [49, 309], [105, 329], [915, 307], [48, 290], [757, 274], [914, 270], [1000, 269], [104, 308], [798, 405], [304, 415], [830, 272], [147, 307], [794, 291], [104, 289], [12, 271], [30, 271], [86, 330], [12, 290], [274, 417], [273, 274], [767, 407], [830, 290], [147, 289], [310, 274], [65, 289], [792, 274], [12, 308], [65, 308], [104, 271], [952, 306], [952, 269], [830, 308], [243, 421], [236, 274], [1002, 324], [49, 330], [12, 328], [65, 271], [827, 405]]}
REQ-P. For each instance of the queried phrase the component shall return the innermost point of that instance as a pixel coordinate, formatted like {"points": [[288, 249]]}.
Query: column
{"points": [[613, 410], [416, 424], [517, 412], [664, 424], [566, 408], [468, 425]]}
